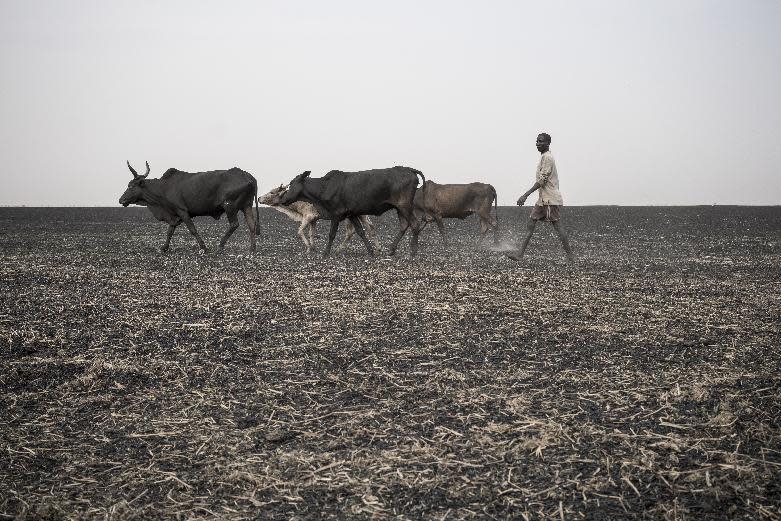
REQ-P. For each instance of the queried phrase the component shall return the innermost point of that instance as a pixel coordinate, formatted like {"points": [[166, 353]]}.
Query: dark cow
{"points": [[435, 202], [179, 196], [348, 195], [306, 214]]}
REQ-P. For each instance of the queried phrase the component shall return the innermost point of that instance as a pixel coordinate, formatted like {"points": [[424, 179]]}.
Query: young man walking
{"points": [[549, 202]]}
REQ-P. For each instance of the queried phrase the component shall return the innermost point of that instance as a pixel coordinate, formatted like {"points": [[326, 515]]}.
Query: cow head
{"points": [[294, 189], [273, 197], [135, 188]]}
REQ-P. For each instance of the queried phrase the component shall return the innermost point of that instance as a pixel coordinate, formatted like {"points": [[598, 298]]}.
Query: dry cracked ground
{"points": [[641, 383]]}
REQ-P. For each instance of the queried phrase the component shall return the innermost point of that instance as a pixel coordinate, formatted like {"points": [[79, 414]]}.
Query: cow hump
{"points": [[171, 172]]}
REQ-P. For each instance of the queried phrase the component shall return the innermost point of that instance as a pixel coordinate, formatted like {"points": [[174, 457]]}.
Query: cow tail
{"points": [[257, 217], [423, 186], [257, 211], [496, 216]]}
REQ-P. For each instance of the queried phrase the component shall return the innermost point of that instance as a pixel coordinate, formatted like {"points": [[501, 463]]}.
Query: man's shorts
{"points": [[548, 213]]}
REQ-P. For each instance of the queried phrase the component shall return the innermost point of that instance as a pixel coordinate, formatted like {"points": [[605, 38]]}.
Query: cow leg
{"points": [[190, 226], [407, 219], [233, 219], [423, 219], [358, 227], [171, 230], [441, 227], [302, 229], [483, 228], [307, 232], [253, 225], [331, 236], [368, 227], [349, 231], [403, 225], [416, 227], [487, 222]]}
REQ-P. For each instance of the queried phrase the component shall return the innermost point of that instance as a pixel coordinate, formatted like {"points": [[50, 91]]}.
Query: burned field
{"points": [[642, 383]]}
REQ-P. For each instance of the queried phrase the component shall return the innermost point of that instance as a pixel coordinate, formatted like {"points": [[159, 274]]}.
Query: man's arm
{"points": [[522, 199], [544, 172]]}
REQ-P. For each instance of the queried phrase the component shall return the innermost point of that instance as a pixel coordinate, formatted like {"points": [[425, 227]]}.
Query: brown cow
{"points": [[306, 213], [457, 201]]}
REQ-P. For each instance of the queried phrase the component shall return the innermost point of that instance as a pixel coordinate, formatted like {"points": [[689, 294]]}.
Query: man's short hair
{"points": [[546, 137]]}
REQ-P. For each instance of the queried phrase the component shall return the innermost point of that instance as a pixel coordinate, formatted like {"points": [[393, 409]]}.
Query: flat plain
{"points": [[641, 383]]}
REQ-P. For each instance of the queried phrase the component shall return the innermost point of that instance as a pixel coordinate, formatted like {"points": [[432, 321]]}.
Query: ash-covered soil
{"points": [[641, 383]]}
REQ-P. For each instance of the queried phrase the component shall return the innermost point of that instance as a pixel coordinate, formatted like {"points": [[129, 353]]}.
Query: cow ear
{"points": [[305, 174]]}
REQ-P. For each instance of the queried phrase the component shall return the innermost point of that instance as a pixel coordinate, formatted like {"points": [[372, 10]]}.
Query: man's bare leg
{"points": [[564, 241], [530, 225]]}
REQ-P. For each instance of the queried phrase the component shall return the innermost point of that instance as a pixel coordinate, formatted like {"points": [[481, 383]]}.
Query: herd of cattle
{"points": [[179, 196]]}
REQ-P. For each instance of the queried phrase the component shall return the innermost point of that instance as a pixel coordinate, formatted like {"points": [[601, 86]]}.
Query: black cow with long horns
{"points": [[178, 196]]}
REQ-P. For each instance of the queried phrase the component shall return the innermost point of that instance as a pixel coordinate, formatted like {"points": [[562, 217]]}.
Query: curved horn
{"points": [[135, 174], [147, 170]]}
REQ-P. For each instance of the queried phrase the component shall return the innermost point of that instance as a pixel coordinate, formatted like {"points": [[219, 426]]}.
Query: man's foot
{"points": [[514, 255]]}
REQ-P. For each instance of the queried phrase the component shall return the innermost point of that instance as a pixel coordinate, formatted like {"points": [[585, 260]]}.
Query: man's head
{"points": [[543, 142]]}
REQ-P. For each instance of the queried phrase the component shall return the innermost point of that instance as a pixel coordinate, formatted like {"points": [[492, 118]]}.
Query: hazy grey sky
{"points": [[663, 102]]}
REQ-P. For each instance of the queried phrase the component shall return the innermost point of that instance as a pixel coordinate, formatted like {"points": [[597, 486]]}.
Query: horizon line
{"points": [[612, 205]]}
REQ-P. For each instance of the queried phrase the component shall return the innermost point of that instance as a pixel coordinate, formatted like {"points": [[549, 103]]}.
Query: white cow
{"points": [[307, 215]]}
